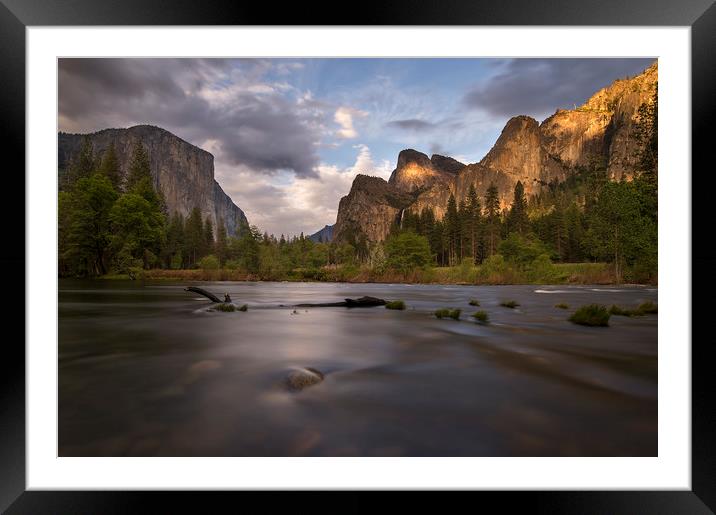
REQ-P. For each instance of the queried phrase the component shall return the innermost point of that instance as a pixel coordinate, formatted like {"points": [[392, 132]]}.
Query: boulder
{"points": [[301, 378]]}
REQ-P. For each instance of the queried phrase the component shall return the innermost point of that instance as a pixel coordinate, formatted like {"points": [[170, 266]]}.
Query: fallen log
{"points": [[203, 292], [362, 302]]}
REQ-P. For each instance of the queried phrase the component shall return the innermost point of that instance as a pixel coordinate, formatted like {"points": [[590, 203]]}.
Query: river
{"points": [[148, 370]]}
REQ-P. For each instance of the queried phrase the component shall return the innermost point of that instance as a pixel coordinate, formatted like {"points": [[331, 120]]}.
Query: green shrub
{"points": [[474, 302], [481, 317], [209, 262], [395, 304], [245, 307], [407, 251], [509, 304], [448, 313], [591, 315], [227, 308], [647, 308], [562, 305], [622, 312], [522, 250], [232, 264]]}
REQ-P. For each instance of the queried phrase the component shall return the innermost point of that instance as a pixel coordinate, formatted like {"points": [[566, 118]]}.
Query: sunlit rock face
{"points": [[183, 173], [601, 130], [369, 209], [415, 171]]}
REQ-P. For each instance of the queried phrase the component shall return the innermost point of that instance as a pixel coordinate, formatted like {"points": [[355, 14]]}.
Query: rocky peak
{"points": [[446, 164], [369, 210], [416, 171], [527, 151], [517, 151], [182, 172]]}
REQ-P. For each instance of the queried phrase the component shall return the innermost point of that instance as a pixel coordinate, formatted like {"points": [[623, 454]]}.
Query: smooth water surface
{"points": [[148, 370]]}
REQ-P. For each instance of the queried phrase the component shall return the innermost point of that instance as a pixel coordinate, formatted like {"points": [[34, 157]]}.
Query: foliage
{"points": [[244, 307], [209, 262], [509, 304], [85, 225], [474, 302], [395, 304], [585, 229], [562, 305], [225, 307], [448, 313], [521, 250], [481, 316], [591, 315], [648, 308], [407, 251]]}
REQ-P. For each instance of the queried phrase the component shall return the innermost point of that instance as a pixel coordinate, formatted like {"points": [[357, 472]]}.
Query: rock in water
{"points": [[302, 378]]}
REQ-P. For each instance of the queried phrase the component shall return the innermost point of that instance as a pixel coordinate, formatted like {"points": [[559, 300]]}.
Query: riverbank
{"points": [[560, 273]]}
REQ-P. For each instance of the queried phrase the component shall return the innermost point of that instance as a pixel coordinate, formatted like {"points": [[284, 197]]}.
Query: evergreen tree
{"points": [[83, 165], [221, 237], [473, 222], [138, 169], [452, 229], [137, 229], [492, 219], [173, 252], [110, 167], [208, 246], [194, 237], [517, 219], [88, 231]]}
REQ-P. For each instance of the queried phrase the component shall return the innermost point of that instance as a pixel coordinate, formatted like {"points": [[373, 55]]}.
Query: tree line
{"points": [[112, 223], [588, 217]]}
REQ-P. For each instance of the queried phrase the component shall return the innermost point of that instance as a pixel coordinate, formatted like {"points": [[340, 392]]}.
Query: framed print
{"points": [[451, 251]]}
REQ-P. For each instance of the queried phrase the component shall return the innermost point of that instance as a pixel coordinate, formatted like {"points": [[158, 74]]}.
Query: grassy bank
{"points": [[561, 273]]}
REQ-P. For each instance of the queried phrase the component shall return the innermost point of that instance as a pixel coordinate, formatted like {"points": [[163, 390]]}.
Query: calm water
{"points": [[148, 371]]}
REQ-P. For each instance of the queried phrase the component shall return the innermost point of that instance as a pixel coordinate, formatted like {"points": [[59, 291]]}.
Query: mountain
{"points": [[603, 128], [183, 173], [323, 235]]}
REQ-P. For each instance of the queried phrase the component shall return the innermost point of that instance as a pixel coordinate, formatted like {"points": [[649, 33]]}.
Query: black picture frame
{"points": [[16, 15]]}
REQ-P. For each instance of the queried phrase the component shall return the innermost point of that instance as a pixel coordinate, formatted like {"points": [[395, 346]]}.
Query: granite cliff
{"points": [[602, 129], [182, 172]]}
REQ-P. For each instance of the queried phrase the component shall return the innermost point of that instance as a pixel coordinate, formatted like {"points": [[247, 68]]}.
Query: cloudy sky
{"points": [[289, 135]]}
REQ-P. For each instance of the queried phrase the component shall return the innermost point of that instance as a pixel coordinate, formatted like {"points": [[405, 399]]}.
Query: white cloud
{"points": [[285, 204], [344, 117]]}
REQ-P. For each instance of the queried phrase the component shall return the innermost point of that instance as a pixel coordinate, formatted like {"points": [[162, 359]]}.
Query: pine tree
{"points": [[88, 230], [83, 165], [452, 229], [110, 167], [194, 236], [208, 237], [138, 167], [463, 217], [517, 220], [475, 221], [492, 216], [221, 237], [174, 248]]}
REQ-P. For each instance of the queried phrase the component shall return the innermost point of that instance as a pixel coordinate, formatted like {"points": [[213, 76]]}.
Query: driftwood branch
{"points": [[203, 292], [363, 302]]}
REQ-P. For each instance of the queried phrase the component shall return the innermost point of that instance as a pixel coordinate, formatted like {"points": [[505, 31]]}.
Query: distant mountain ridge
{"points": [[182, 172], [534, 153], [324, 235]]}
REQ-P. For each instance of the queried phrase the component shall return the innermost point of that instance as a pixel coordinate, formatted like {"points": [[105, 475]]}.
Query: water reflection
{"points": [[147, 371]]}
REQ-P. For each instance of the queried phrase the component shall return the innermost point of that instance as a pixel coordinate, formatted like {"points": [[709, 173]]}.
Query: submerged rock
{"points": [[302, 378]]}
